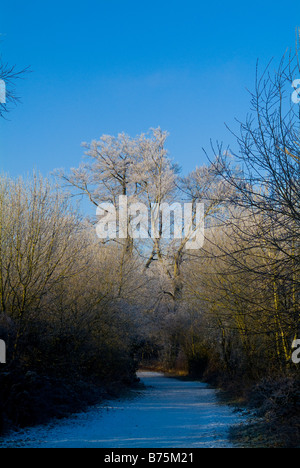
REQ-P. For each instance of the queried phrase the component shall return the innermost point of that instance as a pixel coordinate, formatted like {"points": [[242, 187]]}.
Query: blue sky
{"points": [[108, 66]]}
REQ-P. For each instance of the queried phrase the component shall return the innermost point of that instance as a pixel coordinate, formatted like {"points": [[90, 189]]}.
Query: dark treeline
{"points": [[80, 313]]}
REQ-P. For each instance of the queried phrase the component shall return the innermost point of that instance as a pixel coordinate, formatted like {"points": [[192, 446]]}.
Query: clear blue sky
{"points": [[109, 66]]}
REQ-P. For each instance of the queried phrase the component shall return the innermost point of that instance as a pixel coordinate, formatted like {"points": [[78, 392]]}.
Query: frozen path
{"points": [[169, 413]]}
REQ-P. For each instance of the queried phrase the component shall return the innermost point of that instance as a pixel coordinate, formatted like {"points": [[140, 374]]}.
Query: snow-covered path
{"points": [[169, 413]]}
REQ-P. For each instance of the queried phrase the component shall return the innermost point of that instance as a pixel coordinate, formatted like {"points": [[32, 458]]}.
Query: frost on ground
{"points": [[169, 413]]}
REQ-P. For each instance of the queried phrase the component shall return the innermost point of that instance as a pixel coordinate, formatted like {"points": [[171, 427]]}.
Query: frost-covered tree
{"points": [[141, 169]]}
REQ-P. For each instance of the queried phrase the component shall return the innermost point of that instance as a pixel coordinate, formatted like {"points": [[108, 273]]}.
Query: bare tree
{"points": [[8, 78], [266, 193]]}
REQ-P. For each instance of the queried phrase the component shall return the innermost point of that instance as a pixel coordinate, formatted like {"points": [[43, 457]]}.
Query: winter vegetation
{"points": [[78, 313]]}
